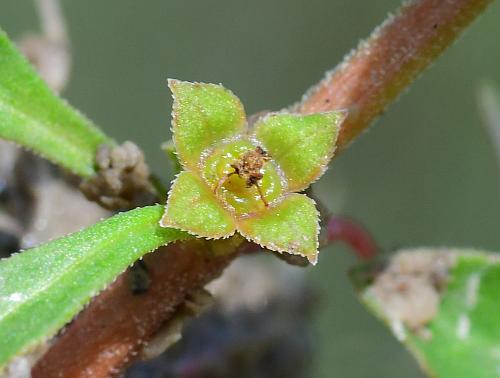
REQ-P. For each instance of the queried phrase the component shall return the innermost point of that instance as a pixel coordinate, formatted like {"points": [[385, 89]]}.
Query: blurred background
{"points": [[424, 175]]}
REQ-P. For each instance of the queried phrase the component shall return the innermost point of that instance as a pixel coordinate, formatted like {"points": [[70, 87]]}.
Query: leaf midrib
{"points": [[62, 138]]}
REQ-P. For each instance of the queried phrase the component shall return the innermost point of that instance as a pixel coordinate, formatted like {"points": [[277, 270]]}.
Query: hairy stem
{"points": [[382, 66], [52, 20], [119, 321], [365, 83]]}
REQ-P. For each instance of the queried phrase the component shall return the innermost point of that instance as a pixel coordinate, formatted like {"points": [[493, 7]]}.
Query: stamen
{"points": [[249, 169], [222, 181], [261, 194]]}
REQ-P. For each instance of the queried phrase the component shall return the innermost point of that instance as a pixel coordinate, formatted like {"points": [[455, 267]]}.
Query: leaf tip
{"points": [[172, 83]]}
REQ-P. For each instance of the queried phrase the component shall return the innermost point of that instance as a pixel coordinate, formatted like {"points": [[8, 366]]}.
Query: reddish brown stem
{"points": [[381, 67], [112, 329], [353, 234], [105, 336]]}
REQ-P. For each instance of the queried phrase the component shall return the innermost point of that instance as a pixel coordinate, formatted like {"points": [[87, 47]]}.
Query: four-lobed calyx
{"points": [[246, 180]]}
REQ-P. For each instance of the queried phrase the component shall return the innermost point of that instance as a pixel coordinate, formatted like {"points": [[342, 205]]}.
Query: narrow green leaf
{"points": [[43, 288], [292, 226], [444, 305], [203, 114], [35, 118], [193, 207], [301, 145]]}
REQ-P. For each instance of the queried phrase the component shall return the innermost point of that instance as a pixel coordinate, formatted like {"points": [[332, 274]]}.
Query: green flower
{"points": [[243, 179]]}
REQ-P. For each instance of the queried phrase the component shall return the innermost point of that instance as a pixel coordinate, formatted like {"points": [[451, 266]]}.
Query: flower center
{"points": [[242, 176]]}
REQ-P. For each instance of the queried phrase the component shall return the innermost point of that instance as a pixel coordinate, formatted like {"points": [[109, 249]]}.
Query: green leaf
{"points": [[292, 226], [34, 117], [193, 207], [43, 288], [444, 305], [203, 114], [301, 145]]}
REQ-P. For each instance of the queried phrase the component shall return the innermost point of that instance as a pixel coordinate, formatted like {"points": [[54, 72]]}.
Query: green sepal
{"points": [[193, 207], [291, 226], [302, 145], [203, 114]]}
